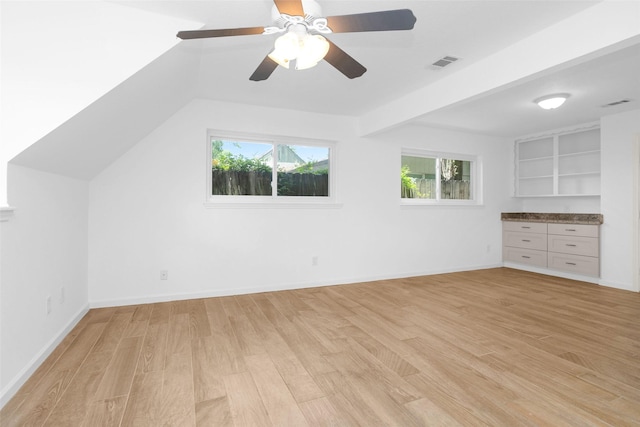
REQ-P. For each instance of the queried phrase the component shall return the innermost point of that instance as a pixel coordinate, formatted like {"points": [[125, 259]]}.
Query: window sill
{"points": [[272, 204], [6, 213], [421, 203]]}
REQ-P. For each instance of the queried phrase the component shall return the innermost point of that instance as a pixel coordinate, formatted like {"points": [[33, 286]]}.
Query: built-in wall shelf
{"points": [[563, 164]]}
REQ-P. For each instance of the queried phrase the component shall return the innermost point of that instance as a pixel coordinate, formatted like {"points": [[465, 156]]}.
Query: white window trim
{"points": [[273, 201], [6, 213], [475, 173]]}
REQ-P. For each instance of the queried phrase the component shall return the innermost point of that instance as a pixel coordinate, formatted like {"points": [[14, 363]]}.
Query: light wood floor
{"points": [[483, 348]]}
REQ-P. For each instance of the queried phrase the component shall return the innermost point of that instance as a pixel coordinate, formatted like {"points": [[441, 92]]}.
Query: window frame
{"points": [[475, 174], [213, 201]]}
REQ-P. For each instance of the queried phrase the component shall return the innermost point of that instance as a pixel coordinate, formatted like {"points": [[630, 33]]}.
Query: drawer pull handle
{"points": [[569, 229], [570, 263], [526, 227], [524, 240], [525, 256], [571, 245]]}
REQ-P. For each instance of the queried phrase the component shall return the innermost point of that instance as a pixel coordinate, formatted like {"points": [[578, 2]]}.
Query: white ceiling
{"points": [[399, 62], [511, 112]]}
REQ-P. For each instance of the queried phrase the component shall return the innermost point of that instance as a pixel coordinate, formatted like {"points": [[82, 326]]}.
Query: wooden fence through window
{"points": [[303, 184], [450, 190], [242, 183]]}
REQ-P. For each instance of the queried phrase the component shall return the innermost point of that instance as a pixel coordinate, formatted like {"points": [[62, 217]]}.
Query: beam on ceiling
{"points": [[598, 30]]}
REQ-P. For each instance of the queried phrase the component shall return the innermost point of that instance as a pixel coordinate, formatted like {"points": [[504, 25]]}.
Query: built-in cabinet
{"points": [[549, 244], [525, 243], [574, 248], [565, 164]]}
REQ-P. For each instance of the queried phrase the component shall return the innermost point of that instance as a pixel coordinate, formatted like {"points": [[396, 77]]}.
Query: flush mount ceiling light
{"points": [[551, 102]]}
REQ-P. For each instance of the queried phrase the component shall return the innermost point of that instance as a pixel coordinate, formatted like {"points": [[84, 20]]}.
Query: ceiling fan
{"points": [[302, 27]]}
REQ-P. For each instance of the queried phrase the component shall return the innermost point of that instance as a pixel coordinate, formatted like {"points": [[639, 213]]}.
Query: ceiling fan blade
{"points": [[390, 20], [290, 7], [343, 62], [264, 70], [203, 34]]}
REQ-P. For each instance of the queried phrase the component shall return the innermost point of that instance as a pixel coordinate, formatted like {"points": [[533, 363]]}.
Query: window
{"points": [[257, 170], [428, 178]]}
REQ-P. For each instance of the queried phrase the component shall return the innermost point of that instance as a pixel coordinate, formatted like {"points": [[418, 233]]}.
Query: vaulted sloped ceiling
{"points": [[502, 45], [102, 132]]}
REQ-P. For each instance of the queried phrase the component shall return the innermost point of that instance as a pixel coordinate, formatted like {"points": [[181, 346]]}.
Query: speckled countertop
{"points": [[564, 218]]}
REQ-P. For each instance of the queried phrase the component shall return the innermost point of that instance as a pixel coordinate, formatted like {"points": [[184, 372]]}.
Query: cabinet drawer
{"points": [[584, 230], [575, 245], [525, 240], [587, 266], [525, 227], [525, 256]]}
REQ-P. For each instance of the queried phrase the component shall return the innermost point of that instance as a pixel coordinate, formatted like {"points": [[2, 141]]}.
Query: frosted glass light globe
{"points": [[551, 102]]}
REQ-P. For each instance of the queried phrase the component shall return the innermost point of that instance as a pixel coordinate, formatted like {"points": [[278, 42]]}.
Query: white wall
{"points": [[590, 204], [146, 214], [618, 132], [44, 248]]}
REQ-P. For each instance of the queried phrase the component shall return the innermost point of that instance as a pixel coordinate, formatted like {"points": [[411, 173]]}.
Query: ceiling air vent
{"points": [[613, 104], [443, 62]]}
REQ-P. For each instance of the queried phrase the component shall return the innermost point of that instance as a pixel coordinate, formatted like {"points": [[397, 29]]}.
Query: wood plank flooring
{"points": [[496, 347]]}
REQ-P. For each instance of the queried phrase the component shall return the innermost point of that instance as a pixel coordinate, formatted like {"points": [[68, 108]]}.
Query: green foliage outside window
{"points": [[226, 161], [408, 185]]}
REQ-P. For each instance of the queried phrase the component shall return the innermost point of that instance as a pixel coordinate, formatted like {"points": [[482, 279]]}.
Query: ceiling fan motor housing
{"points": [[311, 8]]}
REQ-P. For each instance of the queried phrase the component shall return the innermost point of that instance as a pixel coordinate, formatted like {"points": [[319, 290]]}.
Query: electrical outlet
{"points": [[49, 305], [62, 295], [164, 275], [314, 261]]}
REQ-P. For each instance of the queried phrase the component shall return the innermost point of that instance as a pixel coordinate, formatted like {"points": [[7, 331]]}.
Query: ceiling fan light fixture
{"points": [[277, 57], [550, 102], [314, 49], [288, 46], [306, 49]]}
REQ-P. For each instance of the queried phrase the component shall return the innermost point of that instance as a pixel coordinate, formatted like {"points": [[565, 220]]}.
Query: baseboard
{"points": [[556, 273], [274, 288], [622, 286], [14, 385], [594, 280]]}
